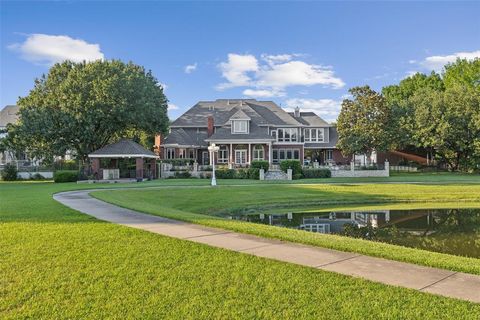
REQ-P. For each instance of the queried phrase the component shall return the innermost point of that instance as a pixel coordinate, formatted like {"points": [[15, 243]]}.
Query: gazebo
{"points": [[123, 159]]}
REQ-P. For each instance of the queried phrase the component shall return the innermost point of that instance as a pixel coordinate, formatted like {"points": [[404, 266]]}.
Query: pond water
{"points": [[453, 231]]}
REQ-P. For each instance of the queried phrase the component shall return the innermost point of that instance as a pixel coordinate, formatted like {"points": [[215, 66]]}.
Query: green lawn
{"points": [[203, 205], [57, 263]]}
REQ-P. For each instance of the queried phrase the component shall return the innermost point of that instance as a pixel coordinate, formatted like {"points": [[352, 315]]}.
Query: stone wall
{"points": [[352, 173]]}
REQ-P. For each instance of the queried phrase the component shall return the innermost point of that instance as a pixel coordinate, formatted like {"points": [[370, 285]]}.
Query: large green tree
{"points": [[83, 106], [364, 122], [403, 111]]}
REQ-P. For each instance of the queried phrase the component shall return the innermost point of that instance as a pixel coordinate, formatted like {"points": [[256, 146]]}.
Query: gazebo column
{"points": [[139, 168], [153, 168], [96, 168]]}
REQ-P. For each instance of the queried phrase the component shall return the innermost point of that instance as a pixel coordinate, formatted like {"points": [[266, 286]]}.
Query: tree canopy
{"points": [[364, 122], [81, 107], [436, 113]]}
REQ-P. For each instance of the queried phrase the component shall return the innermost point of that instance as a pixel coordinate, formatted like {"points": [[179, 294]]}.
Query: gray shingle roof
{"points": [[256, 133], [260, 113], [124, 147], [310, 119], [186, 137]]}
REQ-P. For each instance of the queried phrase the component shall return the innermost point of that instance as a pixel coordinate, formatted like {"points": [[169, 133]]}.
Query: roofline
{"points": [[239, 140], [122, 156]]}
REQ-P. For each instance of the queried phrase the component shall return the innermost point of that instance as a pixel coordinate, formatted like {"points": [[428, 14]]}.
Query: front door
{"points": [[240, 157], [205, 158]]}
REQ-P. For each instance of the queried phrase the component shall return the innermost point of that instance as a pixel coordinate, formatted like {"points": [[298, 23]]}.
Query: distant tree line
{"points": [[436, 113]]}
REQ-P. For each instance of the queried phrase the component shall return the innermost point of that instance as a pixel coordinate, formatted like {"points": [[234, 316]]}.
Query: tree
{"points": [[449, 123], [83, 106], [397, 97], [364, 122], [464, 73]]}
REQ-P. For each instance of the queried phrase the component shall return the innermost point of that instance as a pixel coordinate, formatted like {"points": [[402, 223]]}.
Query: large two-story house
{"points": [[248, 130]]}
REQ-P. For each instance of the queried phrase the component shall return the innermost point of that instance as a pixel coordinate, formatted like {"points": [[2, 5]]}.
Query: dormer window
{"points": [[239, 126]]}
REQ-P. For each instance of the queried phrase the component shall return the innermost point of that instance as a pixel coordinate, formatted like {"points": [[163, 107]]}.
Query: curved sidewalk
{"points": [[438, 281]]}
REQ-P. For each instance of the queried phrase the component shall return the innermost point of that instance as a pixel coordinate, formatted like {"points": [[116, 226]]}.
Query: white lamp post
{"points": [[213, 148]]}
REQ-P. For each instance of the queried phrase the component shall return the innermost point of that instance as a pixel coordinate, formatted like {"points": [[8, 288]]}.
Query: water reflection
{"points": [[454, 231]]}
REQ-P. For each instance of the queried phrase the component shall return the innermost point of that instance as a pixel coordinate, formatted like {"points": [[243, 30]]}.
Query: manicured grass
{"points": [[56, 263], [203, 205]]}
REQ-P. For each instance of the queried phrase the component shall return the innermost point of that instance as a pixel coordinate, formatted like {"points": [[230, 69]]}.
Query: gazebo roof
{"points": [[124, 148]]}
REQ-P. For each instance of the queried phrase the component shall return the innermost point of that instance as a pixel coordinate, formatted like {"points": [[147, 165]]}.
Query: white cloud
{"points": [[190, 68], [236, 70], [263, 93], [327, 109], [172, 106], [436, 63], [410, 73], [49, 49], [275, 74]]}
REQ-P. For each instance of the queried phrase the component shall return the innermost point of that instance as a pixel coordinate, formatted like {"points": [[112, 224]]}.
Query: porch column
{"points": [[139, 168], [270, 153], [249, 154], [96, 168], [230, 155]]}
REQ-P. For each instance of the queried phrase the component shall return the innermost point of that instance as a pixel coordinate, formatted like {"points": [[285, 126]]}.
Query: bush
{"points": [[37, 176], [254, 173], [182, 175], [297, 176], [225, 174], [291, 164], [241, 174], [260, 164], [9, 172], [179, 162], [317, 173], [65, 176]]}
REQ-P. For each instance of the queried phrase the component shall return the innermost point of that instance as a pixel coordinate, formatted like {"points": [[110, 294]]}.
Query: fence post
{"points": [[387, 168], [352, 167], [289, 174]]}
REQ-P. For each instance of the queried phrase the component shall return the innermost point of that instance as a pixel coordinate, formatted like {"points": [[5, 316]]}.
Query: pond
{"points": [[453, 231]]}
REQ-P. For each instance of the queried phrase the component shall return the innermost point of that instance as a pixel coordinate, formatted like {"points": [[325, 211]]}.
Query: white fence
{"points": [[359, 173]]}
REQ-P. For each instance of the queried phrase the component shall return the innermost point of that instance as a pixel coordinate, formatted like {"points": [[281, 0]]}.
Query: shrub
{"points": [[254, 173], [291, 164], [241, 174], [182, 174], [225, 173], [65, 165], [179, 162], [260, 164], [297, 176], [317, 173], [9, 172], [37, 176], [65, 176]]}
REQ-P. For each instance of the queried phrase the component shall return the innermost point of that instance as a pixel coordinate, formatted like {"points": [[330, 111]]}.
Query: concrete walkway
{"points": [[438, 281]]}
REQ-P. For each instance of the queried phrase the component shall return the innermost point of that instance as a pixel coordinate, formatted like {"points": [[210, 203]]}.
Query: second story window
{"points": [[314, 135], [240, 126], [287, 135]]}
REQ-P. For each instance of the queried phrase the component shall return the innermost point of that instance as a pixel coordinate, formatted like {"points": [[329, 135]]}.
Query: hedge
{"points": [[317, 173], [260, 164], [295, 165], [65, 176]]}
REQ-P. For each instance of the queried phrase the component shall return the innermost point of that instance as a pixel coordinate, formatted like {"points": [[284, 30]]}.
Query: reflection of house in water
{"points": [[334, 222]]}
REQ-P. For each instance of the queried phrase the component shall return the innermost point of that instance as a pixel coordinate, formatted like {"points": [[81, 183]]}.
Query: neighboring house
{"points": [[8, 115], [248, 130]]}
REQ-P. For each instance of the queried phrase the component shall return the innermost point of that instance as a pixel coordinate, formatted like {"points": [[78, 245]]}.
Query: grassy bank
{"points": [[202, 205], [57, 263]]}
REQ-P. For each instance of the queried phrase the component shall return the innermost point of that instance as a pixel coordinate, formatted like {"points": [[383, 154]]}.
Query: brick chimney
{"points": [[210, 125], [158, 143]]}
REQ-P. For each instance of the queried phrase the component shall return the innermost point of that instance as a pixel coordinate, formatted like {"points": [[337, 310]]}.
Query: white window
{"points": [[191, 154], [314, 135], [239, 126], [170, 154], [223, 155], [258, 152], [287, 134], [240, 156], [285, 154], [329, 155], [205, 158]]}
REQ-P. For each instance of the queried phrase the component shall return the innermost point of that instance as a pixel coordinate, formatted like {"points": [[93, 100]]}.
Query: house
{"points": [[247, 130], [9, 115]]}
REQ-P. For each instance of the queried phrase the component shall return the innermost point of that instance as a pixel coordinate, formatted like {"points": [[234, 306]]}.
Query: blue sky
{"points": [[294, 53]]}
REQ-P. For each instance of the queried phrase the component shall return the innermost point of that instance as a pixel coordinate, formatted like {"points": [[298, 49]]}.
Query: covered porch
{"points": [[125, 159]]}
